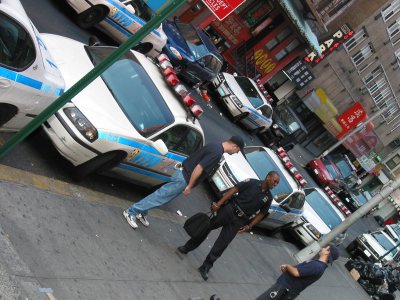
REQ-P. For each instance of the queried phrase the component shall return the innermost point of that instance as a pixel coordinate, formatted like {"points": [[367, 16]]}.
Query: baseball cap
{"points": [[333, 254], [238, 141]]}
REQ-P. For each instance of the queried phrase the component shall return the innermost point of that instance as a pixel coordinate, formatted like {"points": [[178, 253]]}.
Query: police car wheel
{"points": [[7, 112], [92, 16], [256, 131], [98, 164], [237, 118]]}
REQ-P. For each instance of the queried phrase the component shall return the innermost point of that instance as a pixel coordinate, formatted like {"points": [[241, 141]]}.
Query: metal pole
{"points": [[357, 129], [311, 250], [89, 77]]}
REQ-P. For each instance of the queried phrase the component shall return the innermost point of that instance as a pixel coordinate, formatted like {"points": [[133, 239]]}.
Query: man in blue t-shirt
{"points": [[192, 171], [295, 279]]}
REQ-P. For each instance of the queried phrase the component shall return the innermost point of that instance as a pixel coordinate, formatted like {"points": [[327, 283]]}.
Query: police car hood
{"points": [[236, 89], [239, 166], [373, 243], [96, 101], [314, 219]]}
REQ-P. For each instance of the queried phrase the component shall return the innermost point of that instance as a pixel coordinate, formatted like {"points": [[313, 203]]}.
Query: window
{"points": [[17, 50], [281, 36], [391, 10], [393, 162], [355, 40], [393, 29], [182, 139], [296, 201], [288, 49], [362, 54]]}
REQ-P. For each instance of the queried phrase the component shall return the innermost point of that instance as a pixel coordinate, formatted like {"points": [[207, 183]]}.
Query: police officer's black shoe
{"points": [[183, 250], [204, 272]]}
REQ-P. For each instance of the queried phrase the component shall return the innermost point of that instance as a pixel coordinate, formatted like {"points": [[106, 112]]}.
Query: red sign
{"points": [[222, 8], [351, 118], [232, 29]]}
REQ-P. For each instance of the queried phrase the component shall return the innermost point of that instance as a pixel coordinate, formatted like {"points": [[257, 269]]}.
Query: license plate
{"points": [[366, 252], [316, 172], [221, 91]]}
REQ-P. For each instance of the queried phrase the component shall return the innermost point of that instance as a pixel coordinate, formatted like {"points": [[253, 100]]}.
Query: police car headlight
{"points": [[81, 123], [176, 53], [363, 239], [219, 182], [313, 230]]}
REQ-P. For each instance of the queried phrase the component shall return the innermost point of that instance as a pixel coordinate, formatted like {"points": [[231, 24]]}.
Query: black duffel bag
{"points": [[197, 225]]}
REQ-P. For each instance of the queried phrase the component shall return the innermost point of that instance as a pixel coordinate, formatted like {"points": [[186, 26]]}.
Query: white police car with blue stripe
{"points": [[120, 19], [29, 78], [289, 196], [136, 121]]}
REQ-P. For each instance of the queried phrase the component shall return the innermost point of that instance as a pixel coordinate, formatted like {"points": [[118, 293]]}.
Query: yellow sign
{"points": [[326, 110]]}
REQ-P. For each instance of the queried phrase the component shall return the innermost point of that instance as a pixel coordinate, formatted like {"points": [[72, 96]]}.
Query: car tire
{"points": [[92, 16], [280, 228], [256, 131], [7, 112], [240, 117], [143, 48], [98, 164]]}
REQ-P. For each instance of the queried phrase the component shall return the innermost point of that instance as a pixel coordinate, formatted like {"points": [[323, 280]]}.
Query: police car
{"points": [[121, 19], [320, 216], [136, 121], [244, 101], [29, 78], [289, 196]]}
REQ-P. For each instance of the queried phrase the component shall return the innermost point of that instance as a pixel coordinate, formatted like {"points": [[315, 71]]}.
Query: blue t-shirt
{"points": [[208, 157], [310, 271]]}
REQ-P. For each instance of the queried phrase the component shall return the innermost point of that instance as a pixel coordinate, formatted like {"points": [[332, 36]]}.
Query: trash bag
{"points": [[371, 289]]}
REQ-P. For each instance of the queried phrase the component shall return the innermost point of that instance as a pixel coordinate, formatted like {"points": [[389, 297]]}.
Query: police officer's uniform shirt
{"points": [[252, 198], [310, 271], [208, 157]]}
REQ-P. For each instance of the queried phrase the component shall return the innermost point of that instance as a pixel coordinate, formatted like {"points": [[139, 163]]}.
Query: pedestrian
{"points": [[239, 209], [294, 279], [190, 173]]}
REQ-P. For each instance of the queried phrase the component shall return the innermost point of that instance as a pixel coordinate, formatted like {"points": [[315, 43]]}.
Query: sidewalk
{"points": [[60, 241]]}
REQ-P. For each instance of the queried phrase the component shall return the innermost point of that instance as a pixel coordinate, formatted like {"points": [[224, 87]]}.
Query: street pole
{"points": [[357, 129], [313, 249], [90, 76]]}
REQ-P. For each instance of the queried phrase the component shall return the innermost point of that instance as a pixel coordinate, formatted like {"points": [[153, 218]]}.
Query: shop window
{"points": [[391, 10], [255, 12], [356, 40], [393, 162], [288, 49]]}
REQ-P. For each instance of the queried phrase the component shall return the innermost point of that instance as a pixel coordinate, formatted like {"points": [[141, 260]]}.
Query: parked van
{"points": [[29, 78]]}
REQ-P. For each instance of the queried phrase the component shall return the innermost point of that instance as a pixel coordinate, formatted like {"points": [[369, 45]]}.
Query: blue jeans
{"points": [[164, 194]]}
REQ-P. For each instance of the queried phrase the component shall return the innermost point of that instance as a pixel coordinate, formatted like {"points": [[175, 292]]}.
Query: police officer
{"points": [[247, 203]]}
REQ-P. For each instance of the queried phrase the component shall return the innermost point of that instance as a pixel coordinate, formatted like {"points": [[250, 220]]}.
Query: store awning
{"points": [[298, 20]]}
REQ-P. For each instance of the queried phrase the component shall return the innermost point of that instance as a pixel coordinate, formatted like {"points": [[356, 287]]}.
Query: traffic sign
{"points": [[222, 8]]}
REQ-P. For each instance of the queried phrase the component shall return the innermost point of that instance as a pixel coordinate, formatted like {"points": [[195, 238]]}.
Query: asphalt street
{"points": [[60, 241]]}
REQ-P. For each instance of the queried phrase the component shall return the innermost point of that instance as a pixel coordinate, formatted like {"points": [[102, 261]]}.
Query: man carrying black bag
{"points": [[247, 203]]}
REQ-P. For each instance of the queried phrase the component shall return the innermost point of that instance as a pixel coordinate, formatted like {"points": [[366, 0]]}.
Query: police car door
{"points": [[181, 141], [29, 80], [277, 214]]}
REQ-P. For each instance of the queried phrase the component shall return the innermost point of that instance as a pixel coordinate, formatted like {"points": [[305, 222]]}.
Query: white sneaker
{"points": [[130, 219], [143, 220]]}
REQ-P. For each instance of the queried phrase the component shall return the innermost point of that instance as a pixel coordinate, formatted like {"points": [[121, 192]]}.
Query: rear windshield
{"points": [[344, 168], [250, 91], [324, 210], [134, 91], [262, 163]]}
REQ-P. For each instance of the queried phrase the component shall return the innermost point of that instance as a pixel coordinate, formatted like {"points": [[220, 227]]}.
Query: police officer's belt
{"points": [[238, 211]]}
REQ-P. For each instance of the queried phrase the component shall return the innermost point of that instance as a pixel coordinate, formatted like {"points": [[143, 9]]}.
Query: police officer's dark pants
{"points": [[230, 224], [277, 292]]}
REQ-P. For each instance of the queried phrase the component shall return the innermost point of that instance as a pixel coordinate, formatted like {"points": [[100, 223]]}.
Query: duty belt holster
{"points": [[238, 211]]}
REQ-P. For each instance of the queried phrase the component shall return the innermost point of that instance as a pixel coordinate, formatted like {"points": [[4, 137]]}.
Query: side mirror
{"points": [[94, 41], [285, 207], [160, 146]]}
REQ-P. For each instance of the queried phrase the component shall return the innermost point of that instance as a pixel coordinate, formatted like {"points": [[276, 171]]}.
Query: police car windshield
{"points": [[250, 91], [134, 91], [323, 209], [384, 241], [262, 163]]}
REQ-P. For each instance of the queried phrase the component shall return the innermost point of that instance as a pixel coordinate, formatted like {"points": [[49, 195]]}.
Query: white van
{"points": [[120, 19], [320, 216], [29, 78], [288, 202], [244, 101]]}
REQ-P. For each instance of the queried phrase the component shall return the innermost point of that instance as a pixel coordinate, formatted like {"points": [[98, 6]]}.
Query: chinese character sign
{"points": [[351, 118], [222, 8]]}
